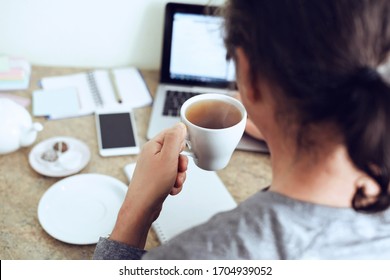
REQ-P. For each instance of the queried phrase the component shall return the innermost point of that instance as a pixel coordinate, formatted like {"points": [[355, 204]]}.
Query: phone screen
{"points": [[116, 131]]}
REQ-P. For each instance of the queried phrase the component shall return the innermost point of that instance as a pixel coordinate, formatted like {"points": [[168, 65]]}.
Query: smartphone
{"points": [[117, 133]]}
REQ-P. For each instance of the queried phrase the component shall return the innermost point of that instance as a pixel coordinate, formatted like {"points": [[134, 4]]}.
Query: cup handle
{"points": [[188, 151]]}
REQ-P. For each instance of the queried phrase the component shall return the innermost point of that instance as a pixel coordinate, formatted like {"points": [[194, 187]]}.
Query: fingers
{"points": [[176, 191], [167, 147], [181, 175], [183, 163], [180, 179], [174, 139]]}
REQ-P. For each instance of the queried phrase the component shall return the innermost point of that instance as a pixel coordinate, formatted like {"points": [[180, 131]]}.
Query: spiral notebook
{"points": [[203, 196], [100, 89]]}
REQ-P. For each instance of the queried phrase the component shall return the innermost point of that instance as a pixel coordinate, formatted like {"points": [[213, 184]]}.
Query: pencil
{"points": [[116, 91]]}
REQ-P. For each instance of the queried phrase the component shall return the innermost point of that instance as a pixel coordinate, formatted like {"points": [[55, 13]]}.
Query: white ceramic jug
{"points": [[16, 127]]}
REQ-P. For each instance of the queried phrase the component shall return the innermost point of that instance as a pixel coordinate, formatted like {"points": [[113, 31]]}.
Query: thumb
{"points": [[174, 139]]}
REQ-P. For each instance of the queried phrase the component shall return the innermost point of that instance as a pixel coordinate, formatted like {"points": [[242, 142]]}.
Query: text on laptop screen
{"points": [[197, 51]]}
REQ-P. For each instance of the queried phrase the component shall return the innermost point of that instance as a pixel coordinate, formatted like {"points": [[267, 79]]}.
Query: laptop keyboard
{"points": [[174, 100]]}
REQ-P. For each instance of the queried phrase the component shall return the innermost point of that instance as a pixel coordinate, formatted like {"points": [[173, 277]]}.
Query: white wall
{"points": [[92, 33]]}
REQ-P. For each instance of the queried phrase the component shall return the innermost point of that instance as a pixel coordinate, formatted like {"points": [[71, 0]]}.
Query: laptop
{"points": [[194, 62]]}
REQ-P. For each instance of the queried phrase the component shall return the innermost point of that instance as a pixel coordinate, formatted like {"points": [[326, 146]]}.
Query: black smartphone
{"points": [[117, 133]]}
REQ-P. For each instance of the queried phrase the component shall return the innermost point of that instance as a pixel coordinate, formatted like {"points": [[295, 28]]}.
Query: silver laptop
{"points": [[193, 62]]}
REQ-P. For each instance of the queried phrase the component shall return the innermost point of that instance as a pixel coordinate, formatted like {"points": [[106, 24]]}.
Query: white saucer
{"points": [[81, 208], [54, 169]]}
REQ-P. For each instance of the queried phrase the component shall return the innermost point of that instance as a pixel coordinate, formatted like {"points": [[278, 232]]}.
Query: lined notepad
{"points": [[203, 196]]}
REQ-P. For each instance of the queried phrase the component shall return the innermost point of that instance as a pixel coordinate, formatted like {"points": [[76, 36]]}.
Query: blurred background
{"points": [[85, 33]]}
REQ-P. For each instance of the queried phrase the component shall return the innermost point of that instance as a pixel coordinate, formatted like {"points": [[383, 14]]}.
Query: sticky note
{"points": [[61, 102]]}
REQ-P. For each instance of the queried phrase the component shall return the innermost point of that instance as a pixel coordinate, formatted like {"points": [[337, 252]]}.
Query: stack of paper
{"points": [[14, 73]]}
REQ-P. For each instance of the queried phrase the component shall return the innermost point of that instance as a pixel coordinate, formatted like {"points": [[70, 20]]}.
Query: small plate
{"points": [[78, 149], [81, 208]]}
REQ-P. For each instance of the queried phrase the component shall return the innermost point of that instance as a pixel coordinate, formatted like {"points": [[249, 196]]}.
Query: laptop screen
{"points": [[198, 51], [194, 51]]}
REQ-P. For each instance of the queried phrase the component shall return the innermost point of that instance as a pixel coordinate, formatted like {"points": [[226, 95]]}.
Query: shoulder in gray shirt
{"points": [[272, 226]]}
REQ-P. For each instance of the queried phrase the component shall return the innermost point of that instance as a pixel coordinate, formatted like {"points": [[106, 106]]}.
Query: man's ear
{"points": [[245, 81]]}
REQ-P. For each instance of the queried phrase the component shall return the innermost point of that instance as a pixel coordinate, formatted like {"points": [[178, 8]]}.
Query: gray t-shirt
{"points": [[272, 226]]}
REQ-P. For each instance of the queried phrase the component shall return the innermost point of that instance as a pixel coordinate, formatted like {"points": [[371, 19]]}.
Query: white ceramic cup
{"points": [[212, 148]]}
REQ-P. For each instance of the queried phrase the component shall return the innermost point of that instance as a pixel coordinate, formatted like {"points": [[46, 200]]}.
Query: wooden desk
{"points": [[22, 237]]}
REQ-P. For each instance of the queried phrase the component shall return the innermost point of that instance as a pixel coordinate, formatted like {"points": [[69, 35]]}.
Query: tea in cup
{"points": [[215, 125]]}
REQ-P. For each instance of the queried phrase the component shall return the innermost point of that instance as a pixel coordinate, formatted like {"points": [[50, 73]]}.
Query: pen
{"points": [[116, 91]]}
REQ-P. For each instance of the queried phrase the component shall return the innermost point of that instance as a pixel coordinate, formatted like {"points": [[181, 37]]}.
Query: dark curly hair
{"points": [[324, 55]]}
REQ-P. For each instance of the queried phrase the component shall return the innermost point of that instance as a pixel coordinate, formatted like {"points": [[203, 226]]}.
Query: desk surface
{"points": [[21, 236]]}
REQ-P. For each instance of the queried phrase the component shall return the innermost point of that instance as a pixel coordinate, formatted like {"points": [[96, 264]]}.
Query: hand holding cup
{"points": [[215, 125]]}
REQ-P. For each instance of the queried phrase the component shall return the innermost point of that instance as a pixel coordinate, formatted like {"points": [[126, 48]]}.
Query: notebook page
{"points": [[80, 83], [203, 196], [105, 88], [132, 87], [59, 101], [96, 91]]}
